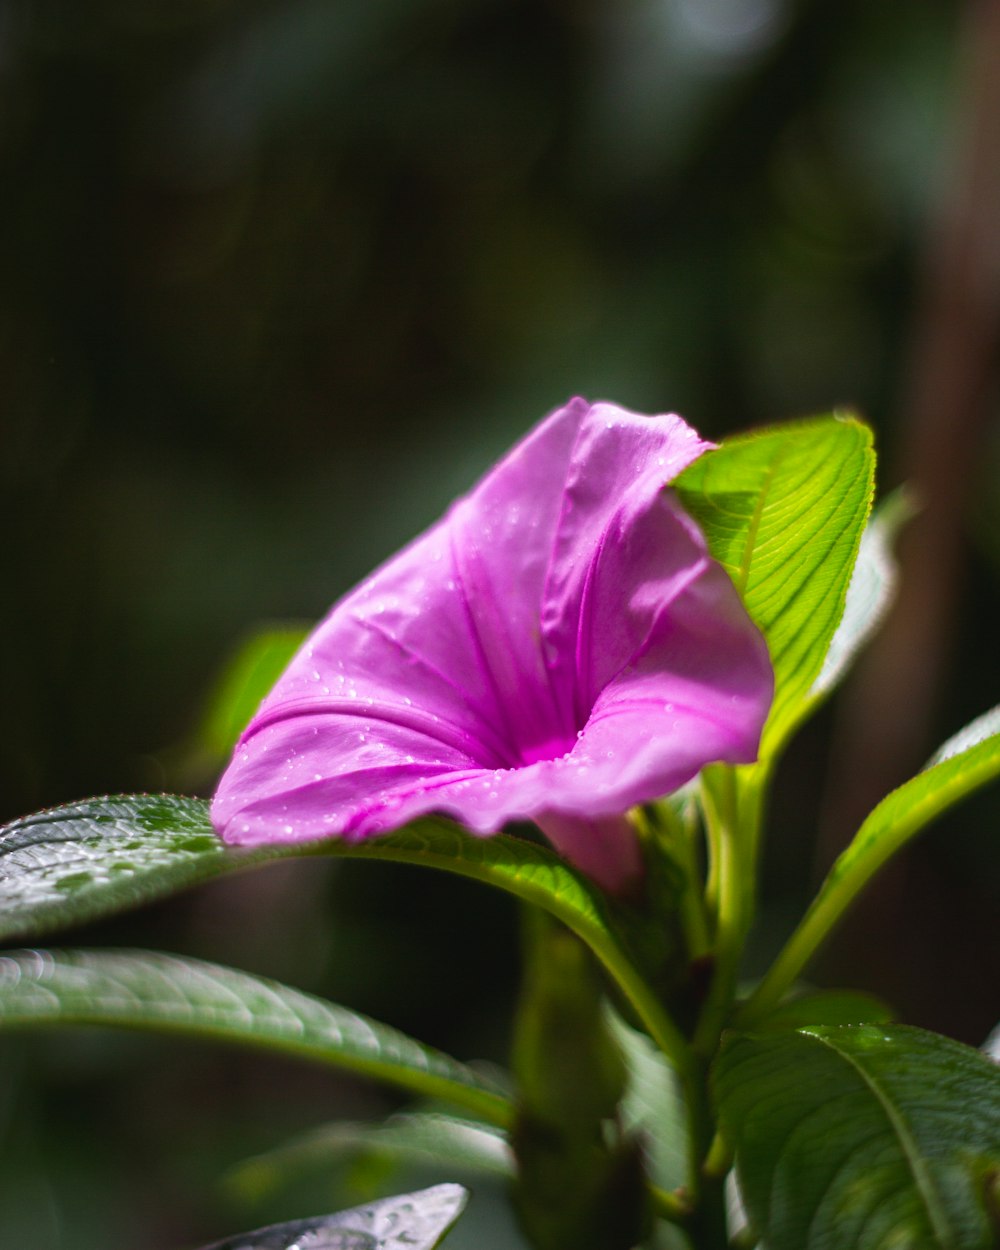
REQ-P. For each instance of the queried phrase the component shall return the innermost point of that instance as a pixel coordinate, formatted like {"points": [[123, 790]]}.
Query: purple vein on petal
{"points": [[583, 699], [509, 738], [492, 746], [681, 585], [565, 507], [409, 718]]}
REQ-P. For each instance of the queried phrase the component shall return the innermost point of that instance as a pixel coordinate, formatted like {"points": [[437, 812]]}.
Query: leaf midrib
{"points": [[922, 1179], [755, 519]]}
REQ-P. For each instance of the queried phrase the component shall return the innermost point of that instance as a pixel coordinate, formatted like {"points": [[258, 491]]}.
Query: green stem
{"points": [[677, 832], [825, 911], [706, 1229], [728, 871], [849, 875], [675, 1208], [899, 817]]}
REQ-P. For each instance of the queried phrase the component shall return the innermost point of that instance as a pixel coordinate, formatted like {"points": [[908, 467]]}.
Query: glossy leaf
{"points": [[416, 1221], [783, 510], [863, 1137], [99, 856], [165, 993], [94, 858], [103, 855]]}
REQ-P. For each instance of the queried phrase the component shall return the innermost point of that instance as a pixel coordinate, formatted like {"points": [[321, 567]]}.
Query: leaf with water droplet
{"points": [[89, 859], [416, 1221]]}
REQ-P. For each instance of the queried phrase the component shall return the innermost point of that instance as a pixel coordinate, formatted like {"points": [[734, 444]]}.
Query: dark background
{"points": [[277, 279]]}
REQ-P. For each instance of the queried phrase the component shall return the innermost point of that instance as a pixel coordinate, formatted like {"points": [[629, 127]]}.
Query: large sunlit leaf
{"points": [[965, 763], [783, 510], [168, 994], [870, 593], [416, 1221], [863, 1138]]}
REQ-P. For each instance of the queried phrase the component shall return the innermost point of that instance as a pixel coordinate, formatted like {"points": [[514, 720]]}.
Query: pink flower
{"points": [[558, 648]]}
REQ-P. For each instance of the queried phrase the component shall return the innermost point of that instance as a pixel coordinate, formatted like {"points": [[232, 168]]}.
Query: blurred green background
{"points": [[277, 279]]}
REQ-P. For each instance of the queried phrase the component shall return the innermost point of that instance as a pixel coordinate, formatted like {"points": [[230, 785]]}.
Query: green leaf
{"points": [[783, 510], [90, 859], [165, 993], [870, 593], [967, 761], [100, 856], [863, 1138], [94, 858], [652, 1108], [418, 1221], [421, 1137], [536, 875]]}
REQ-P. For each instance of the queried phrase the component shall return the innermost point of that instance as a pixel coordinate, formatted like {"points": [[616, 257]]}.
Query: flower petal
{"points": [[559, 647]]}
